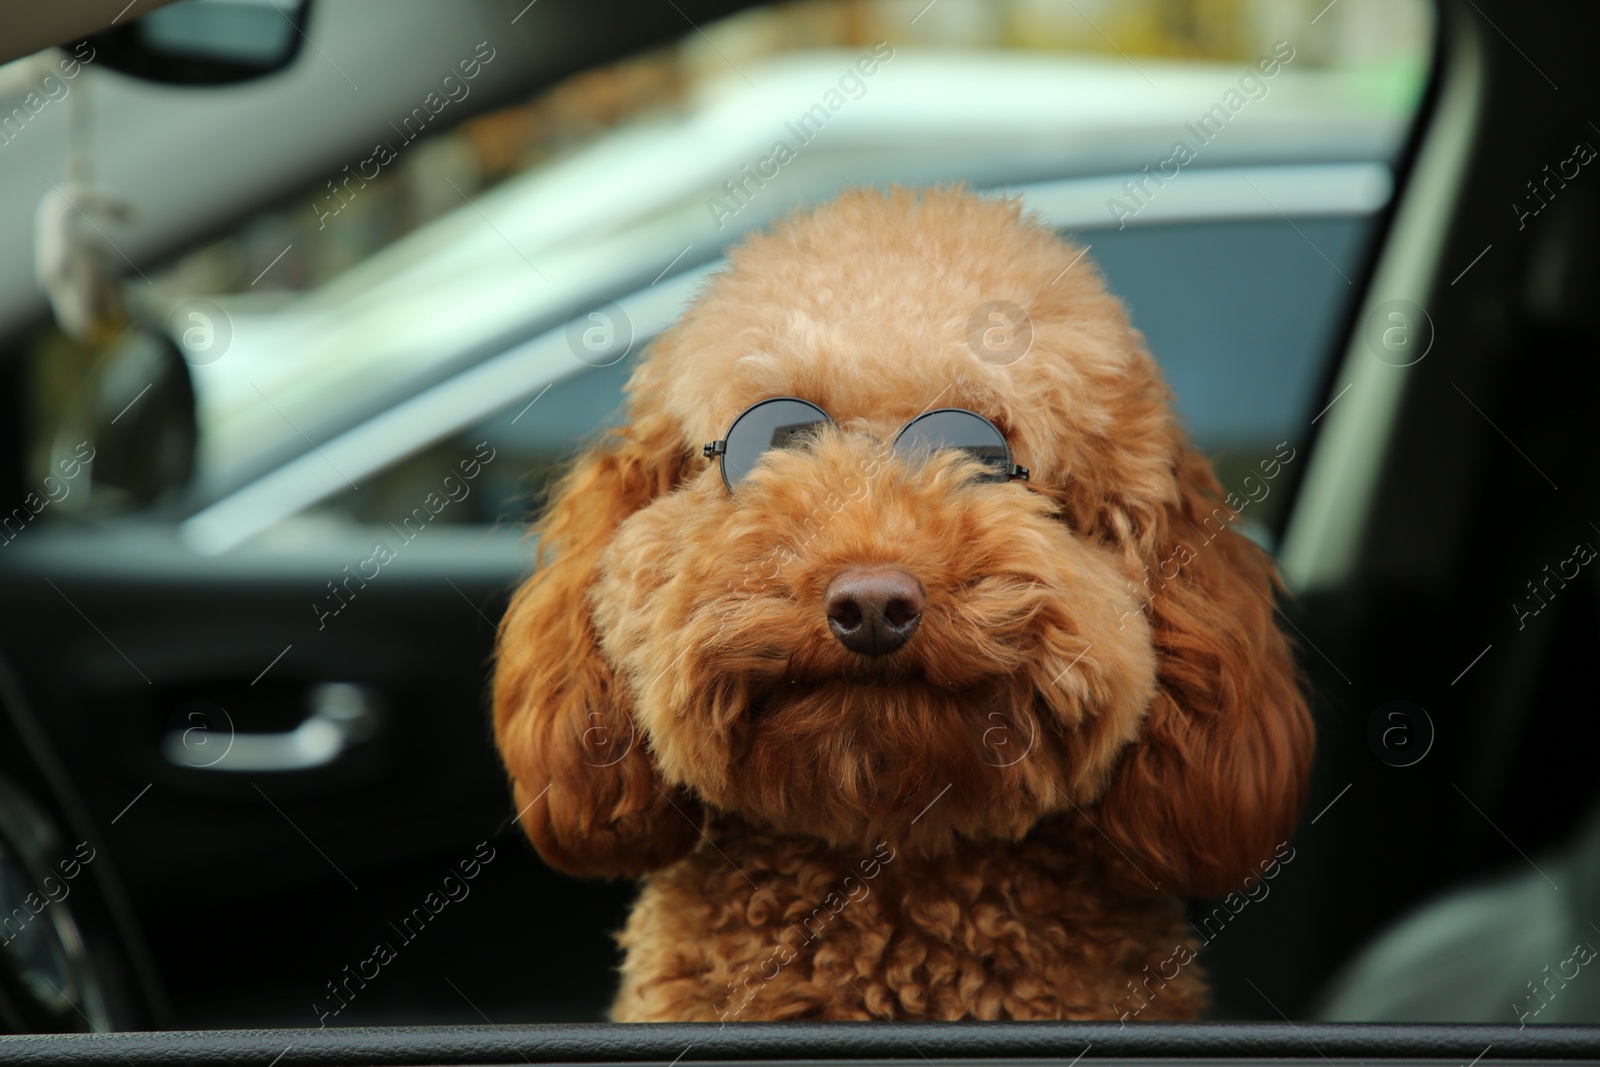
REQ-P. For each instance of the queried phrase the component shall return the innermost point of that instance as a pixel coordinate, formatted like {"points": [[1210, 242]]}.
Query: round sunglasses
{"points": [[786, 421]]}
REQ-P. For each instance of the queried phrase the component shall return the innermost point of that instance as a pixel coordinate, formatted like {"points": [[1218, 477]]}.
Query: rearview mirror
{"points": [[206, 42]]}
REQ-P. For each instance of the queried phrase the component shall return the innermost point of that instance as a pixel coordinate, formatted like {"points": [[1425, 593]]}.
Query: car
{"points": [[267, 304]]}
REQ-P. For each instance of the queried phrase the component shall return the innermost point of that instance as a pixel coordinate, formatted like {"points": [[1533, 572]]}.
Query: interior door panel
{"points": [[274, 881]]}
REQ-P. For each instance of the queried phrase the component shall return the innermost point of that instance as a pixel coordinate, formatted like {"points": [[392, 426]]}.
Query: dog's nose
{"points": [[873, 610]]}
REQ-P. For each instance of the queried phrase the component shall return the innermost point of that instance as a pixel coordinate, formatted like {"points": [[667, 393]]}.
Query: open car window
{"points": [[1194, 165]]}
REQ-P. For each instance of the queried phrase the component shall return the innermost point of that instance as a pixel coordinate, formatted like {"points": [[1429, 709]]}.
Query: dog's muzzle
{"points": [[874, 610]]}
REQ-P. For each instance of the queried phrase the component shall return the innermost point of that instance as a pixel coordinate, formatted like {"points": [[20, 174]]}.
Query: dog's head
{"points": [[860, 640]]}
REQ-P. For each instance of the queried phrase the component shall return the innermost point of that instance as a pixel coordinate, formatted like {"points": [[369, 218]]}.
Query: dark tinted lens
{"points": [[955, 428], [769, 424]]}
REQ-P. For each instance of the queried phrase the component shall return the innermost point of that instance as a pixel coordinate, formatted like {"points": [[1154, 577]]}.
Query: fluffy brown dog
{"points": [[1072, 706]]}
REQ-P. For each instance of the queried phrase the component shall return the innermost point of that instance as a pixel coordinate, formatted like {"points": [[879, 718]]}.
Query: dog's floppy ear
{"points": [[1218, 776], [582, 776]]}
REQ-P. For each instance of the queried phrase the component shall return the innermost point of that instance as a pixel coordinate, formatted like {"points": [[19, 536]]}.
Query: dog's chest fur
{"points": [[761, 927]]}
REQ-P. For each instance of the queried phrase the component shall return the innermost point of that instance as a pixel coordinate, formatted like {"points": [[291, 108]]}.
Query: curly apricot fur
{"points": [[1053, 759]]}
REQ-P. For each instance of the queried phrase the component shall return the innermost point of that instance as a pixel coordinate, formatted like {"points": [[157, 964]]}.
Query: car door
{"points": [[264, 688]]}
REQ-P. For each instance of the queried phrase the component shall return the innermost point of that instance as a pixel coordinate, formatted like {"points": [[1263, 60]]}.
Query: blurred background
{"points": [[435, 238]]}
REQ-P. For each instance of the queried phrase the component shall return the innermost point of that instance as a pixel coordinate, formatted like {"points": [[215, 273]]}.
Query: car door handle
{"points": [[342, 714]]}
